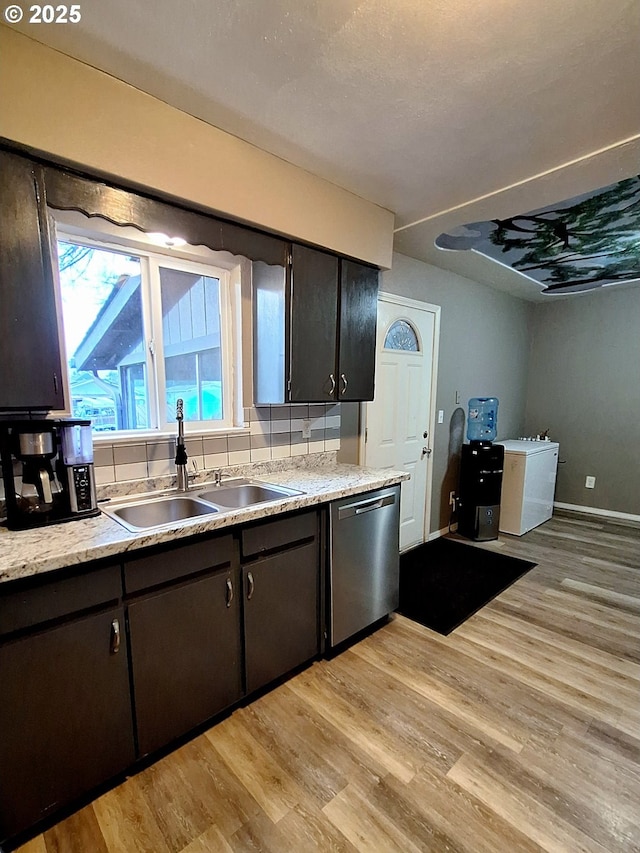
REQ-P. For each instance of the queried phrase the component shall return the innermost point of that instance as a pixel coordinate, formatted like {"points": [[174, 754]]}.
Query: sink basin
{"points": [[140, 513], [245, 494], [159, 511]]}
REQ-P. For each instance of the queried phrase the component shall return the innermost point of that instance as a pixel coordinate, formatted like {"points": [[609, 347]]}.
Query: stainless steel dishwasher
{"points": [[364, 561]]}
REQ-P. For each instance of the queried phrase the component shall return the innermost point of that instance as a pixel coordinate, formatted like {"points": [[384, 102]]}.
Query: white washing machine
{"points": [[528, 484]]}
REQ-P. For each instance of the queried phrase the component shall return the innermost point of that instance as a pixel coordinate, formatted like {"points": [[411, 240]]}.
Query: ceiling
{"points": [[581, 244], [444, 111]]}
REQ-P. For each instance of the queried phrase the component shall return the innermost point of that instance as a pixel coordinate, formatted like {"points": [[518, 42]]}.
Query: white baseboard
{"points": [[592, 510], [443, 531]]}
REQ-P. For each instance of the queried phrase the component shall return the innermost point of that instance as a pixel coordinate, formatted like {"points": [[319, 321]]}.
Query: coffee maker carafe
{"points": [[47, 471], [40, 489]]}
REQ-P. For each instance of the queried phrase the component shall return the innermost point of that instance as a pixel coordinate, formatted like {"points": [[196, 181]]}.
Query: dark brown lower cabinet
{"points": [[65, 716], [281, 625], [168, 622], [186, 657]]}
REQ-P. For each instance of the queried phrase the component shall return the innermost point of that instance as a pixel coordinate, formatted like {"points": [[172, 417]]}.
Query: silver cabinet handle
{"points": [[229, 592], [115, 637], [251, 586], [333, 385], [344, 383]]}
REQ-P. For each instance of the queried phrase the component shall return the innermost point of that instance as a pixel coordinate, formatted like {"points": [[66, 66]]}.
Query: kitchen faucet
{"points": [[181, 450]]}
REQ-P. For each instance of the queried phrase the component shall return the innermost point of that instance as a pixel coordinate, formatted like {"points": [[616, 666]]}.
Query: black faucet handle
{"points": [[181, 454]]}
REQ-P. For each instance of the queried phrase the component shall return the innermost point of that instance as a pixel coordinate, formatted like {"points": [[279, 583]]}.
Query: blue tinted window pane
{"points": [[192, 344]]}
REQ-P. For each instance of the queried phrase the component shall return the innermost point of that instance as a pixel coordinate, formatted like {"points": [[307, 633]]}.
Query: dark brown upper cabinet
{"points": [[31, 364], [357, 331], [314, 314], [314, 329]]}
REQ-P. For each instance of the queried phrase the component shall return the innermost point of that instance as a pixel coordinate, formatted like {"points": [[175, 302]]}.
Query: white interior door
{"points": [[399, 422]]}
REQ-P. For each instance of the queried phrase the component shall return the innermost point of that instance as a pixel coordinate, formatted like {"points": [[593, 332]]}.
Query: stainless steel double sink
{"points": [[138, 513]]}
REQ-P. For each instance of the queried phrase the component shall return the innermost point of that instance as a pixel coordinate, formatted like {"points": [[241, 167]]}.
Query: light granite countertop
{"points": [[32, 552]]}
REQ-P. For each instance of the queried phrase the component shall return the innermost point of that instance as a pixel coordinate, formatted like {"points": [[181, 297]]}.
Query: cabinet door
{"points": [[314, 324], [185, 653], [357, 340], [281, 624], [65, 716], [29, 345]]}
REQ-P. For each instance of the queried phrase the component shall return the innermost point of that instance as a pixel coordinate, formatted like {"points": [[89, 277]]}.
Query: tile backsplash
{"points": [[272, 432]]}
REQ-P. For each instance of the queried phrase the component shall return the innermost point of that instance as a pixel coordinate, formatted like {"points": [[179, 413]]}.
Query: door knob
{"points": [[426, 451]]}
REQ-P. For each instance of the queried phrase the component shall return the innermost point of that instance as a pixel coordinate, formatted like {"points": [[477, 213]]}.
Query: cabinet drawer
{"points": [[268, 536], [176, 562], [28, 603]]}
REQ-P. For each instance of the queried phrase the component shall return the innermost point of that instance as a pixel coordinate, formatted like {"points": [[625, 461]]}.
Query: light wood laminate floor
{"points": [[518, 732]]}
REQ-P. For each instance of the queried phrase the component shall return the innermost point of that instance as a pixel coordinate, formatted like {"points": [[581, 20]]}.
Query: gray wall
{"points": [[584, 386], [484, 350]]}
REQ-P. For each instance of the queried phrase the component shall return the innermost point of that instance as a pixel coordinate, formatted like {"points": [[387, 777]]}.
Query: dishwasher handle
{"points": [[366, 506]]}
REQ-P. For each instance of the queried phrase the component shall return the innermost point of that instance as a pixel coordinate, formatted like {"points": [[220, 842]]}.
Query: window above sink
{"points": [[143, 328]]}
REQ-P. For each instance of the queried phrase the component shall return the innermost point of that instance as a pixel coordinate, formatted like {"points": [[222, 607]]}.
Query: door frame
{"points": [[404, 301]]}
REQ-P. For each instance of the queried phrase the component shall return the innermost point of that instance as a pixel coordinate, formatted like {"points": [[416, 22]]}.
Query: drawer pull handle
{"points": [[369, 506], [115, 637], [251, 586], [229, 592]]}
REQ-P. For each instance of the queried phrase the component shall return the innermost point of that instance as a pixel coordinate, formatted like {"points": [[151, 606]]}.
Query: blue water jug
{"points": [[482, 419]]}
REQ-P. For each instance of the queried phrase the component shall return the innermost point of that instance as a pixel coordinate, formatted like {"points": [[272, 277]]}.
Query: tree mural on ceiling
{"points": [[580, 244], [594, 240]]}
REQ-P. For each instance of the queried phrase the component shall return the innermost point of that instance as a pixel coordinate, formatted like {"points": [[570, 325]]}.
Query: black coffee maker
{"points": [[47, 471]]}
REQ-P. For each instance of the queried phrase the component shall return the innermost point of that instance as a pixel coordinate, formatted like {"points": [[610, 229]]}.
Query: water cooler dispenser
{"points": [[481, 468]]}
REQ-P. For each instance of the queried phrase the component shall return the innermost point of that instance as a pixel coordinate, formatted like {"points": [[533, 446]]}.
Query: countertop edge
{"points": [[35, 552]]}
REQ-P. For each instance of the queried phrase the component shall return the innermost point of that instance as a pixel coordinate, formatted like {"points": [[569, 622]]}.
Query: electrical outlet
{"points": [[452, 498], [590, 483], [306, 428]]}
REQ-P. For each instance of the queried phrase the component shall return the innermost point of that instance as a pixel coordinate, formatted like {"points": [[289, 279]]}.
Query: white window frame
{"points": [[151, 260]]}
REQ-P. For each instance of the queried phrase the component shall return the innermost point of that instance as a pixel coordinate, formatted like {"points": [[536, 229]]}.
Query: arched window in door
{"points": [[402, 335]]}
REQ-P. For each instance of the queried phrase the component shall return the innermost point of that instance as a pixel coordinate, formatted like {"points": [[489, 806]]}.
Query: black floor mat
{"points": [[443, 582]]}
